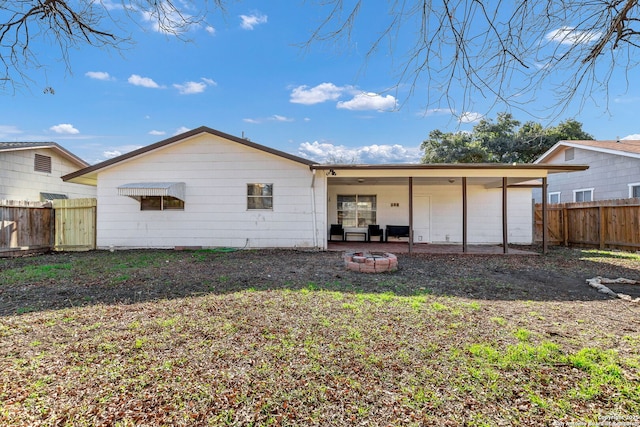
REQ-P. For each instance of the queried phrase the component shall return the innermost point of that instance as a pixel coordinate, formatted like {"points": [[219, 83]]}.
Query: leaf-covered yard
{"points": [[310, 349]]}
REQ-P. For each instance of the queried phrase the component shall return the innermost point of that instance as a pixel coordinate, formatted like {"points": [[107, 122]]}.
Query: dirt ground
{"points": [[222, 337], [77, 279]]}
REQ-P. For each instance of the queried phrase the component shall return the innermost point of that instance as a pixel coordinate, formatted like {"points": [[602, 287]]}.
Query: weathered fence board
{"points": [[75, 224], [605, 224], [25, 227]]}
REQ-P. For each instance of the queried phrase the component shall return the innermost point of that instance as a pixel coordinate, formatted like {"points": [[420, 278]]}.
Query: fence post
{"points": [[602, 225], [565, 224]]}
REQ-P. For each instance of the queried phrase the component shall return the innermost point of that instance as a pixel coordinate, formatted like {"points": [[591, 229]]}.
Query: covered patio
{"points": [[446, 208]]}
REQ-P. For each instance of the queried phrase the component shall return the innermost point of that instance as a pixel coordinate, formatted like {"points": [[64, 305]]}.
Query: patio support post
{"points": [[544, 215], [410, 215], [464, 215], [505, 242]]}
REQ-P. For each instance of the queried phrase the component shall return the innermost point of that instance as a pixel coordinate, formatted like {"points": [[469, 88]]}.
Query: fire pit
{"points": [[370, 262]]}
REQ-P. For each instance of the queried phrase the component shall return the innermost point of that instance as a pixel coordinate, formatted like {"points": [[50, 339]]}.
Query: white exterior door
{"points": [[421, 219]]}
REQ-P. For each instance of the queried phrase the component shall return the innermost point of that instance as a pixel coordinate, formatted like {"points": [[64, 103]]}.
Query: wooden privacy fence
{"points": [[25, 227], [605, 224], [75, 224], [65, 225]]}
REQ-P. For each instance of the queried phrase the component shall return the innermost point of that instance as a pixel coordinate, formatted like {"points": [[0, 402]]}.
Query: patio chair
{"points": [[336, 230], [375, 231]]}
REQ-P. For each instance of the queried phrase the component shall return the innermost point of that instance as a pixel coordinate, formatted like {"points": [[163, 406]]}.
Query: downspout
{"points": [[313, 209]]}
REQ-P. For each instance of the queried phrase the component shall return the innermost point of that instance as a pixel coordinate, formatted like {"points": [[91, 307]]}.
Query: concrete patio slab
{"points": [[426, 248]]}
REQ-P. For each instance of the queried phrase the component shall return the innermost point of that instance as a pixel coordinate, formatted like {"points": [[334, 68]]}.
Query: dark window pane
{"points": [[150, 203]]}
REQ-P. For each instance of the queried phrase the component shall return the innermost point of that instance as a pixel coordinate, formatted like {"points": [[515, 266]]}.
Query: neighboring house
{"points": [[31, 171], [614, 171], [205, 188]]}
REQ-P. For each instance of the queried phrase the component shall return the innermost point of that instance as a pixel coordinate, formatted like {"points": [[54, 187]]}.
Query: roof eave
{"points": [[553, 168], [53, 146], [92, 170]]}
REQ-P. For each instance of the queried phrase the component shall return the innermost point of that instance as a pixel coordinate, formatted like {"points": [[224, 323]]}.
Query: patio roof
{"points": [[488, 174]]}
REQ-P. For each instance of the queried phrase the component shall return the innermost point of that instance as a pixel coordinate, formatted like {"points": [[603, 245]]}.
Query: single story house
{"points": [[614, 171], [31, 171], [205, 188]]}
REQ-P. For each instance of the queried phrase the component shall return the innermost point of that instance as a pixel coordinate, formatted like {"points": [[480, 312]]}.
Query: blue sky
{"points": [[246, 72]]}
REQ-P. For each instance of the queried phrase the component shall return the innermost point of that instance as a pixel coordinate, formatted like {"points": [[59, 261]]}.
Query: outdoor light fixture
{"points": [[360, 180], [451, 180]]}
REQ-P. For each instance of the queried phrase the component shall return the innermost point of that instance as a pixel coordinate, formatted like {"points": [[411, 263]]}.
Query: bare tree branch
{"points": [[67, 24], [500, 51]]}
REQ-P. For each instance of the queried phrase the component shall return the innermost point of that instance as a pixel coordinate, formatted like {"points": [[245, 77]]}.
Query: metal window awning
{"points": [[140, 189], [52, 196]]}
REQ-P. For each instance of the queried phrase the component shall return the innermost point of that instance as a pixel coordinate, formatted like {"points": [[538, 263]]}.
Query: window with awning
{"points": [[156, 196]]}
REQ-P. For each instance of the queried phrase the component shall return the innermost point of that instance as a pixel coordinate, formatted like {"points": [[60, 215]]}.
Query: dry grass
{"points": [[311, 356]]}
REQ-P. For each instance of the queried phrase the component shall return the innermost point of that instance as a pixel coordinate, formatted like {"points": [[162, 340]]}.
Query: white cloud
{"points": [[632, 137], [209, 29], [395, 153], [111, 154], [627, 100], [157, 132], [571, 36], [469, 117], [109, 5], [189, 88], [65, 128], [279, 118], [8, 130], [372, 154], [137, 80], [437, 112], [248, 22], [118, 151], [369, 101], [98, 75], [180, 130], [274, 118], [171, 21], [317, 94]]}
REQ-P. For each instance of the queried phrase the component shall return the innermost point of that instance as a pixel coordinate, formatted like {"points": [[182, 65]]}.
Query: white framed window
{"points": [[554, 197], [260, 196], [583, 195], [634, 189], [356, 210]]}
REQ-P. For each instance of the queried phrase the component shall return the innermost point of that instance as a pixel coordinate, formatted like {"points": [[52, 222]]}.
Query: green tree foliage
{"points": [[452, 147], [502, 141]]}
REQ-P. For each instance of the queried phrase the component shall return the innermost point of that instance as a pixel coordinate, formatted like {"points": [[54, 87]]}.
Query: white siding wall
{"points": [[19, 181], [216, 173], [484, 211], [609, 175]]}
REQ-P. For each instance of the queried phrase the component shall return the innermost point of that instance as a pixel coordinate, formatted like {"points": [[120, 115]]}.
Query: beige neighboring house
{"points": [[31, 171], [614, 171], [205, 188]]}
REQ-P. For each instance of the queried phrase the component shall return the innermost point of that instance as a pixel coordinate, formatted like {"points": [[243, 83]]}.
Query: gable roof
{"points": [[623, 147], [19, 146], [88, 175]]}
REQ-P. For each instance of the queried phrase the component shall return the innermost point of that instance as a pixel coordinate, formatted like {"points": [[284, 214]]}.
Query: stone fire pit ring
{"points": [[370, 262]]}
